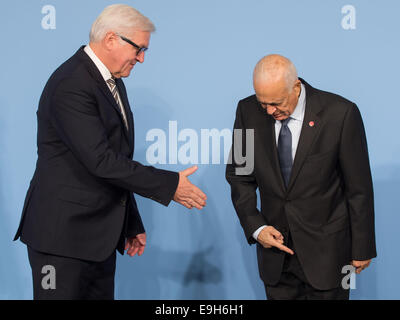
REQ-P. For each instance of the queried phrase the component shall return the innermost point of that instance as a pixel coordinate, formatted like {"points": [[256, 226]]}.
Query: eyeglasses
{"points": [[139, 49]]}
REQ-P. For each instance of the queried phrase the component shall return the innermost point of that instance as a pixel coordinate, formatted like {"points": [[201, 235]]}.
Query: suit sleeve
{"points": [[354, 162], [134, 224], [243, 187], [75, 117]]}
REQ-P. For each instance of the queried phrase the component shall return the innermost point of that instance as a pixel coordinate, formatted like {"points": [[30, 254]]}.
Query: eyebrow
{"points": [[270, 103]]}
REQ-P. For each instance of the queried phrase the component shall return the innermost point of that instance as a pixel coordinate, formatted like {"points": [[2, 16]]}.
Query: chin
{"points": [[126, 74]]}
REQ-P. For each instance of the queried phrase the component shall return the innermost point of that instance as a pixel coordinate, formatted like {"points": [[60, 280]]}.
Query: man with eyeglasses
{"points": [[80, 207]]}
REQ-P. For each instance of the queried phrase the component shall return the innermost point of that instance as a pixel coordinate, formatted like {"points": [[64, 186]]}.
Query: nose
{"points": [[140, 57], [271, 110]]}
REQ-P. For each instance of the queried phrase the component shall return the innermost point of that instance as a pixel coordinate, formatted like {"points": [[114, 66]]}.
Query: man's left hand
{"points": [[136, 244], [360, 265]]}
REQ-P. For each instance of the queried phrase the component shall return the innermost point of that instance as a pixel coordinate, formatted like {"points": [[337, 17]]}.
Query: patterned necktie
{"points": [[285, 150], [114, 91]]}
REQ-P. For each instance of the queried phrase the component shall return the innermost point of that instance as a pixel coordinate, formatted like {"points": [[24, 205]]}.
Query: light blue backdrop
{"points": [[199, 65]]}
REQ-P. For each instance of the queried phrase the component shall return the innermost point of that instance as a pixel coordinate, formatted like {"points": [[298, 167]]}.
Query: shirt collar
{"points": [[106, 74], [298, 113]]}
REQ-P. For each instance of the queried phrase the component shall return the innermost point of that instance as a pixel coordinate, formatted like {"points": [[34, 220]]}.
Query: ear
{"points": [[297, 87], [109, 40]]}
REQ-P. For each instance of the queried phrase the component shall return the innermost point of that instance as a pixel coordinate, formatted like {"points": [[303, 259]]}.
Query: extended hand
{"points": [[270, 237], [136, 244], [360, 265], [187, 194]]}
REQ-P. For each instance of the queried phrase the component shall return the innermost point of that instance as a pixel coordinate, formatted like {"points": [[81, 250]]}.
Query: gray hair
{"points": [[119, 18], [273, 67]]}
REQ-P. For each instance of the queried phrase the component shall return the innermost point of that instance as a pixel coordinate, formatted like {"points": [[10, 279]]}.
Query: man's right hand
{"points": [[187, 194], [270, 237]]}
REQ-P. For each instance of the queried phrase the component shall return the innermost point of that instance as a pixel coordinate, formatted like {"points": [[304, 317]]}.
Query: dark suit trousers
{"points": [[75, 279], [293, 284]]}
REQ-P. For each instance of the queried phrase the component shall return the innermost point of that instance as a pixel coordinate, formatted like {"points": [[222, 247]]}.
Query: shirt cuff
{"points": [[257, 232]]}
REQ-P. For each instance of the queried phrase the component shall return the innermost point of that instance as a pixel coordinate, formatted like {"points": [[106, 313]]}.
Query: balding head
{"points": [[275, 68], [276, 85]]}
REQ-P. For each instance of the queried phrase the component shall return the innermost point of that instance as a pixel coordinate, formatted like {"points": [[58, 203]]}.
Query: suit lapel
{"points": [[124, 97], [310, 129], [102, 85]]}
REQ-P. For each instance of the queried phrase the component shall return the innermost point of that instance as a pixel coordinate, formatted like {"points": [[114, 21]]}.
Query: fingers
{"points": [[190, 204], [360, 265], [189, 171], [275, 233], [199, 193], [141, 250], [133, 251], [192, 200], [186, 204], [356, 263], [359, 269], [129, 244], [197, 206], [187, 194], [282, 247], [133, 248], [197, 202], [141, 238], [196, 197], [136, 245], [270, 237]]}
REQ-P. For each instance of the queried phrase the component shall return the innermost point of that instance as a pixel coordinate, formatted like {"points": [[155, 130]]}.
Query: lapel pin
{"points": [[311, 123]]}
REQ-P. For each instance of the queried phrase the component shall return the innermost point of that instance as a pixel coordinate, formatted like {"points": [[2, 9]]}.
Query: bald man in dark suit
{"points": [[312, 169]]}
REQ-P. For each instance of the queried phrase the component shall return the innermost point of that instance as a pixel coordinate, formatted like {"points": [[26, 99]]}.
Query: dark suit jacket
{"points": [[80, 202], [328, 206]]}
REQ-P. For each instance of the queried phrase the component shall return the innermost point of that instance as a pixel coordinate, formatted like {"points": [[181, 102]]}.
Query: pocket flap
{"points": [[80, 196]]}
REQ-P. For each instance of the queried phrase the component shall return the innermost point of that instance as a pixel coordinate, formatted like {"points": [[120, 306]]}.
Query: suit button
{"points": [[123, 202]]}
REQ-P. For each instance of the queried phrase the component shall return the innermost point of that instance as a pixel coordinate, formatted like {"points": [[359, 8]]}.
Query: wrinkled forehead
{"points": [[271, 90]]}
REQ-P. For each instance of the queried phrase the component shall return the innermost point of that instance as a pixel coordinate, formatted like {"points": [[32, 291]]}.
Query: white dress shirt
{"points": [[294, 125], [103, 70]]}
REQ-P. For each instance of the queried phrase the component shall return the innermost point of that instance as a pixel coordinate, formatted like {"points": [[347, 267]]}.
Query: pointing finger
{"points": [[283, 248]]}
